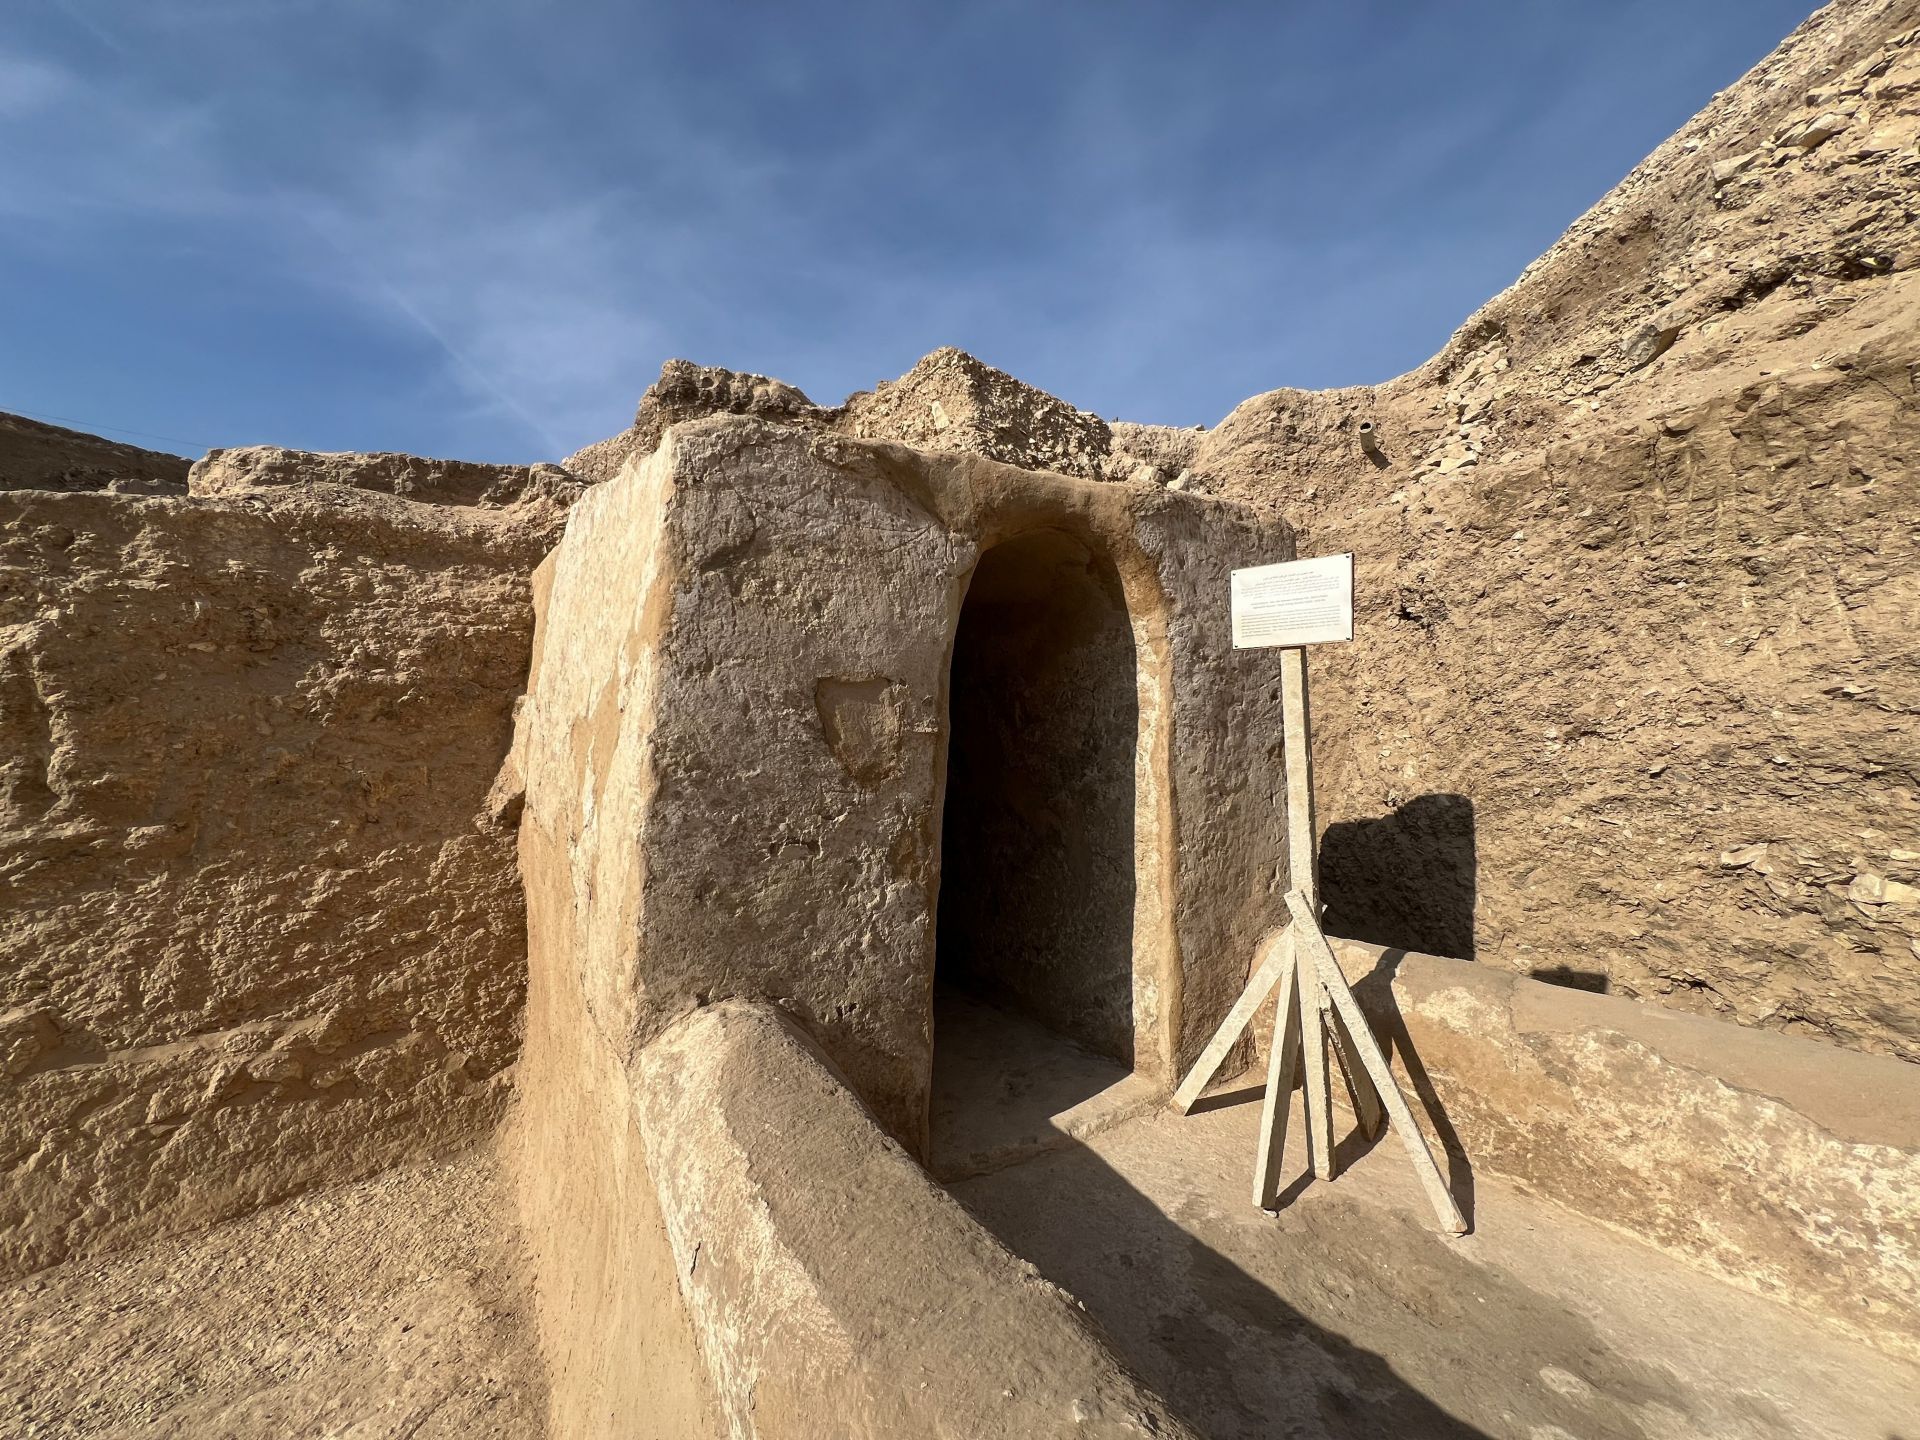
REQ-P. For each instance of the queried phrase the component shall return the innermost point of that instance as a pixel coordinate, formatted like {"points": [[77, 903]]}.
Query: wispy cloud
{"points": [[431, 224], [512, 216], [29, 86], [82, 18], [521, 301]]}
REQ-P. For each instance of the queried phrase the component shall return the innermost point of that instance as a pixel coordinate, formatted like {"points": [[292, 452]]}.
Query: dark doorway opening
{"points": [[1035, 918]]}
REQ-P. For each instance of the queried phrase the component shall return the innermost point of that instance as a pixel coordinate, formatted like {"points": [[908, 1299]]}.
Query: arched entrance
{"points": [[1037, 853]]}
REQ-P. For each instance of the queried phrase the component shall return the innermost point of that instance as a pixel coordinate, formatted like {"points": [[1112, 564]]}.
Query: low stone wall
{"points": [[618, 1344], [1788, 1166], [260, 926], [832, 1285]]}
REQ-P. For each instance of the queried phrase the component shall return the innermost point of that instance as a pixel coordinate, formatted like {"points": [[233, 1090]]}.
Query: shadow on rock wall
{"points": [[1405, 880]]}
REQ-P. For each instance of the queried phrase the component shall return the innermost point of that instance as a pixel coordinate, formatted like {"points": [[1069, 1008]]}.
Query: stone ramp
{"points": [[833, 1288]]}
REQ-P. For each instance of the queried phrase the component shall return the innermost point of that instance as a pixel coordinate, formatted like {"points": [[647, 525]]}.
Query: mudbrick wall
{"points": [[259, 924]]}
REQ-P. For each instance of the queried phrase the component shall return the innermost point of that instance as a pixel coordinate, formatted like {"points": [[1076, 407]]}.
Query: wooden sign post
{"points": [[1316, 1018]]}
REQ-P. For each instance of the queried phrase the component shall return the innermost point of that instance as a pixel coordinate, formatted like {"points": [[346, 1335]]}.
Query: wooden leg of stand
{"points": [[1313, 1055], [1366, 1100], [1282, 1058], [1308, 940]]}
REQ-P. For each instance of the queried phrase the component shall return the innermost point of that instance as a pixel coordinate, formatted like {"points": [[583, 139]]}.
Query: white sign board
{"points": [[1298, 602]]}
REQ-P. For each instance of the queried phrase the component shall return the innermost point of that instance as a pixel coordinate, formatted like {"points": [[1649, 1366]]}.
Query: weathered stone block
{"points": [[735, 739]]}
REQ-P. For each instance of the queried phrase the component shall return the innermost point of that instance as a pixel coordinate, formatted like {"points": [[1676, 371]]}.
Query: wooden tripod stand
{"points": [[1315, 1005]]}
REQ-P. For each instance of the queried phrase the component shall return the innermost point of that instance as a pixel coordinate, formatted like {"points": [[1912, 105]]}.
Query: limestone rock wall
{"points": [[260, 923], [1632, 703]]}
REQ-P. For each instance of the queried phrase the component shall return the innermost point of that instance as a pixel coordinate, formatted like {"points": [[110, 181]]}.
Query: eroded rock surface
{"points": [[686, 391], [37, 456], [410, 477], [953, 402], [1632, 699], [260, 923], [949, 403]]}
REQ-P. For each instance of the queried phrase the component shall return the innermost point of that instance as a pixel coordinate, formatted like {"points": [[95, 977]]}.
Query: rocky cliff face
{"points": [[949, 402], [260, 923], [1632, 699], [38, 456]]}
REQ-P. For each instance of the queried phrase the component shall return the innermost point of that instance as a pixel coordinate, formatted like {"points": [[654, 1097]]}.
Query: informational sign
{"points": [[1297, 602]]}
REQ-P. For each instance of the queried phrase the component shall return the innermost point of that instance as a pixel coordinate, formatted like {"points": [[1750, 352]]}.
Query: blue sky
{"points": [[476, 227]]}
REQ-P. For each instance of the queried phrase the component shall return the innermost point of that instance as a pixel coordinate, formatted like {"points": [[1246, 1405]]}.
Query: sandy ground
{"points": [[397, 1307], [391, 1308], [1348, 1315], [1005, 1089]]}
